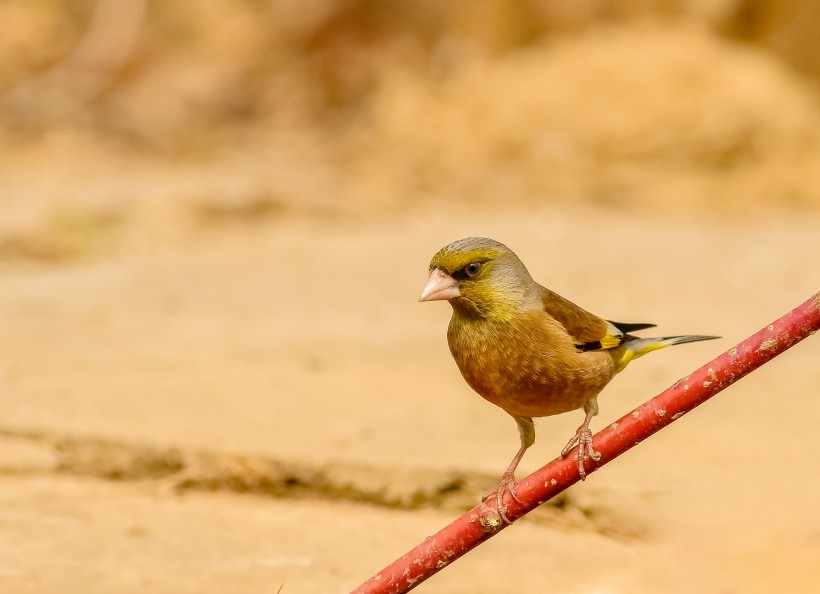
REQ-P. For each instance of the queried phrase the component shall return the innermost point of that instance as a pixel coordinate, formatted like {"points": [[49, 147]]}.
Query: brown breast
{"points": [[528, 366]]}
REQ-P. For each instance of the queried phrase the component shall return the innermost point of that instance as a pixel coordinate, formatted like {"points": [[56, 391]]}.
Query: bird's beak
{"points": [[439, 286]]}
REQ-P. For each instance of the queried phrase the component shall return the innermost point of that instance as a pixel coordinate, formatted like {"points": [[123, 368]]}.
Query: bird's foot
{"points": [[583, 438], [507, 484]]}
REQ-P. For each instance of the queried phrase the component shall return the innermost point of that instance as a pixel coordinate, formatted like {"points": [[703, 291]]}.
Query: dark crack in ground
{"points": [[195, 470]]}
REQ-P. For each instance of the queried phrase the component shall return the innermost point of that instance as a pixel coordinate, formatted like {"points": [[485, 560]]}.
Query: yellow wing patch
{"points": [[613, 337], [610, 341]]}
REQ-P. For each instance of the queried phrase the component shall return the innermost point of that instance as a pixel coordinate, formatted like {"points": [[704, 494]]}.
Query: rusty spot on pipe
{"points": [[767, 344]]}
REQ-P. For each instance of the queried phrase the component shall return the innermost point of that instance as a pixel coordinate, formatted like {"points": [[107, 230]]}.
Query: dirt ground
{"points": [[215, 375]]}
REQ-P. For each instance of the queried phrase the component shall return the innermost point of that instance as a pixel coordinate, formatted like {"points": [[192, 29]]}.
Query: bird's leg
{"points": [[583, 437], [526, 429], [507, 482]]}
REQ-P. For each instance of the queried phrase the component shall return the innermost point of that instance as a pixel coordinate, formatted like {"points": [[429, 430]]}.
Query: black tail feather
{"points": [[688, 338]]}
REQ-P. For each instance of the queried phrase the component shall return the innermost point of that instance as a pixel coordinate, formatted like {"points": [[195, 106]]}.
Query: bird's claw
{"points": [[583, 438], [507, 484]]}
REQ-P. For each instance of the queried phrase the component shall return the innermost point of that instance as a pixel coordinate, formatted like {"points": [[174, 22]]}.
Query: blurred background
{"points": [[370, 106], [215, 219]]}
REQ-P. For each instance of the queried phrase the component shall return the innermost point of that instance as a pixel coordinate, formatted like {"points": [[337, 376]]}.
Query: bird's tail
{"points": [[634, 347]]}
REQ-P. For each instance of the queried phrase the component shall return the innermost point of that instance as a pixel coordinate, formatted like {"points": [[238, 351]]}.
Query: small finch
{"points": [[527, 349]]}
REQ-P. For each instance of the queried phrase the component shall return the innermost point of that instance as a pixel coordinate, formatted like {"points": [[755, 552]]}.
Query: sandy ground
{"points": [[264, 403]]}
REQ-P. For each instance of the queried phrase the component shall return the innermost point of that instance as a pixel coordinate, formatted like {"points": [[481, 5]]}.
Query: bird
{"points": [[525, 348]]}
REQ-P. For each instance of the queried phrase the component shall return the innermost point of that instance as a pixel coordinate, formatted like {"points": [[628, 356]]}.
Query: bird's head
{"points": [[480, 278]]}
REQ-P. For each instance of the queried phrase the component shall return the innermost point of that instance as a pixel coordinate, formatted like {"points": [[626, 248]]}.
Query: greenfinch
{"points": [[527, 349]]}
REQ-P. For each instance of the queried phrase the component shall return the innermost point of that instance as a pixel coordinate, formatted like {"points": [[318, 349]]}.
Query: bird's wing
{"points": [[588, 331]]}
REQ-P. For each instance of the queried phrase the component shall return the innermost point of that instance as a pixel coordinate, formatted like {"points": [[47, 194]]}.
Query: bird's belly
{"points": [[519, 396], [531, 379], [541, 403]]}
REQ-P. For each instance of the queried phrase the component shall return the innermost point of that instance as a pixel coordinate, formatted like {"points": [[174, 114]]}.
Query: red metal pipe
{"points": [[483, 521]]}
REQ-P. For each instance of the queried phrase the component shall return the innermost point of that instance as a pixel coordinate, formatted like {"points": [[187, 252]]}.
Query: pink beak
{"points": [[439, 286]]}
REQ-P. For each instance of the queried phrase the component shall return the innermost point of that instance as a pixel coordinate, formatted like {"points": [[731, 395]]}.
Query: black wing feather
{"points": [[627, 328]]}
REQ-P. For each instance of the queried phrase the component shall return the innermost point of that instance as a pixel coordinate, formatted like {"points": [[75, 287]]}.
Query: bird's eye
{"points": [[472, 268]]}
